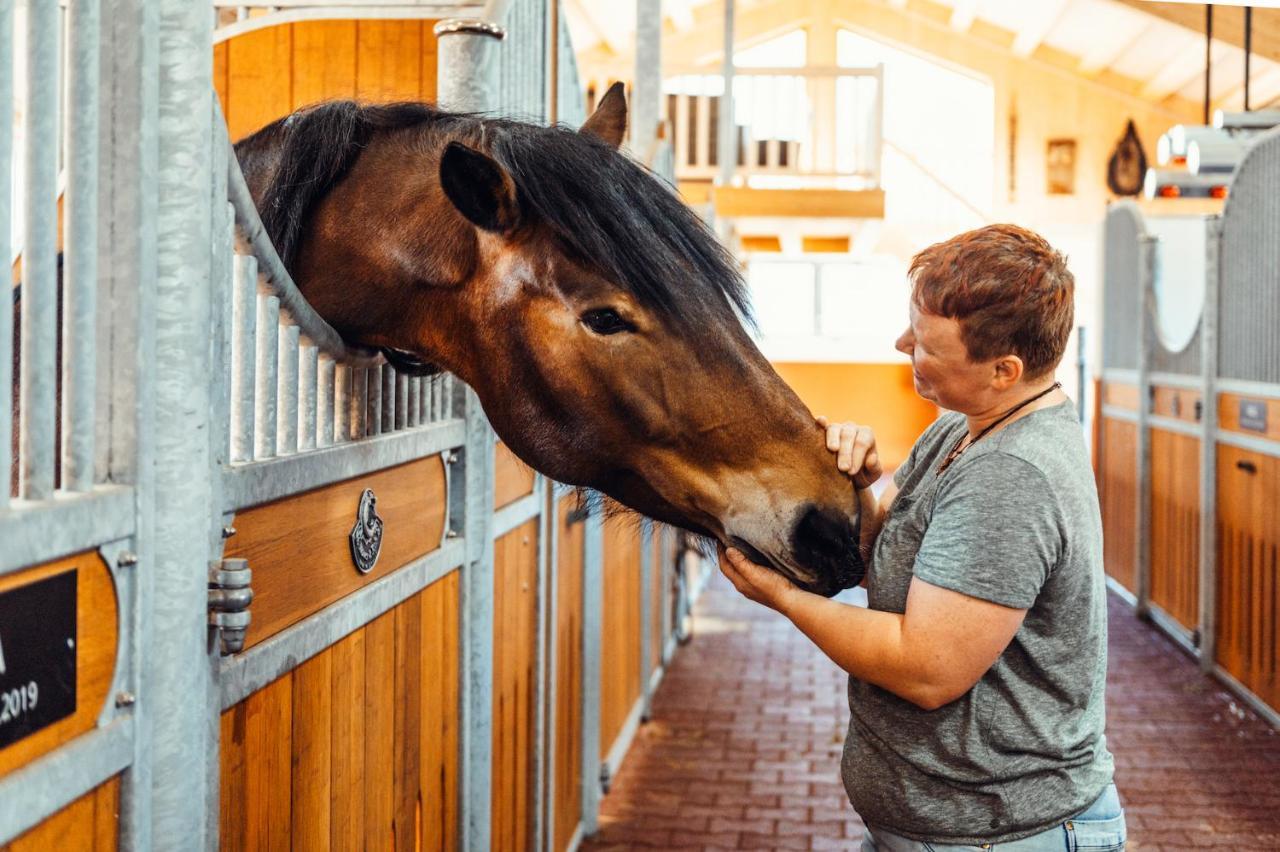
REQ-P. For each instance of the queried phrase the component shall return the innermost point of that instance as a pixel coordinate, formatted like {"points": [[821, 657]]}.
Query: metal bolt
{"points": [[453, 458], [451, 534], [228, 531], [127, 559], [125, 699]]}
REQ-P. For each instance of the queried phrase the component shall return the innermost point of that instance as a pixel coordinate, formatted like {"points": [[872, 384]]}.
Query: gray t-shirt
{"points": [[1015, 521]]}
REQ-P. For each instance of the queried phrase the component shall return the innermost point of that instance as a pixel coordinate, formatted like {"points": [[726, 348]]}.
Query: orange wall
{"points": [[879, 395]]}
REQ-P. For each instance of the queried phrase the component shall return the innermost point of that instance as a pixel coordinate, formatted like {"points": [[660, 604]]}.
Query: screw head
{"points": [[127, 559], [453, 458], [228, 531], [451, 534], [125, 699]]}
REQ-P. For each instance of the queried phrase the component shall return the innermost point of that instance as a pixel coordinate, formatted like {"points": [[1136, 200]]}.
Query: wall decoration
{"points": [[1060, 167], [1128, 164]]}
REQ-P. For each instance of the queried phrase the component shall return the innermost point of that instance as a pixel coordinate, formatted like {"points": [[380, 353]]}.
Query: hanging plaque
{"points": [[37, 656]]}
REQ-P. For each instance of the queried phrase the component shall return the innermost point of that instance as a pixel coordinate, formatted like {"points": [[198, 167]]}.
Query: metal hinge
{"points": [[605, 778], [229, 599]]}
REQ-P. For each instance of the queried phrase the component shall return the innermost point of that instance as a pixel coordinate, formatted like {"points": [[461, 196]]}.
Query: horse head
{"points": [[598, 319]]}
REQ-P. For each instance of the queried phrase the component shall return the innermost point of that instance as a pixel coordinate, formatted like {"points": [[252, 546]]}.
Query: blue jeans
{"points": [[1100, 828]]}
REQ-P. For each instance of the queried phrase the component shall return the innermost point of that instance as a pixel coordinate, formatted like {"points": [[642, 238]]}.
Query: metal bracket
{"points": [[229, 599]]}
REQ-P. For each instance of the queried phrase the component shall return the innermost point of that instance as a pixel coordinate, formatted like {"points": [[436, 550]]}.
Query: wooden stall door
{"points": [[1248, 601], [356, 748], [515, 643], [1118, 495], [622, 630], [1175, 526], [567, 755]]}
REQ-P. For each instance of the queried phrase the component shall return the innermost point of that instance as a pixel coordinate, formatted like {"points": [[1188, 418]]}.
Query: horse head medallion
{"points": [[366, 535], [598, 319]]}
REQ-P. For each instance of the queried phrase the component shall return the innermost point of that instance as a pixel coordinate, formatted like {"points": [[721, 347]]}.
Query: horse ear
{"points": [[609, 121], [480, 188]]}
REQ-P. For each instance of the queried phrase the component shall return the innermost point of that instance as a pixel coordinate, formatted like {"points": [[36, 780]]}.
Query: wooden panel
{"points": [[1120, 395], [388, 60], [622, 631], [299, 547], [820, 245], [357, 747], [324, 61], [1229, 415], [657, 595], [512, 478], [1178, 403], [258, 79], [429, 74], [1118, 496], [568, 688], [841, 203], [97, 623], [89, 824], [515, 644], [1175, 526], [761, 243], [883, 396], [1248, 602]]}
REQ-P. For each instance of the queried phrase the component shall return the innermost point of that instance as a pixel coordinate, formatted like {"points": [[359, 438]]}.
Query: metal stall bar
{"points": [[1206, 649], [287, 391], [342, 394], [176, 677], [80, 274], [6, 191], [244, 325], [308, 378], [39, 297], [402, 402], [373, 414], [326, 387], [1145, 296], [388, 398], [592, 641], [268, 356], [467, 56]]}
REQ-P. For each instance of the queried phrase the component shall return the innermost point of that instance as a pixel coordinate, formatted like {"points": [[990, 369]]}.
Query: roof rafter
{"points": [[1030, 36]]}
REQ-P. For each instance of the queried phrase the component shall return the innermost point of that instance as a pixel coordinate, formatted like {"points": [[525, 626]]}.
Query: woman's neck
{"points": [[998, 407]]}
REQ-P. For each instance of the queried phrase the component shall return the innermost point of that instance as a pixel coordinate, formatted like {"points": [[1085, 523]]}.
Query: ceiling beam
{"points": [[1103, 54], [963, 15], [1046, 17], [1228, 24], [1184, 68]]}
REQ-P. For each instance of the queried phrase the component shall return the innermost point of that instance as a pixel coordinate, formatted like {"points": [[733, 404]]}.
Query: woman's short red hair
{"points": [[1009, 289]]}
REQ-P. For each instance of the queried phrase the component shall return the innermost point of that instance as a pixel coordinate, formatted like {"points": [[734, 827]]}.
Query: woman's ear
{"points": [[480, 188], [1008, 372]]}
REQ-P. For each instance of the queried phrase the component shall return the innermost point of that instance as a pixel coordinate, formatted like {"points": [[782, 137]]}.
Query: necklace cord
{"points": [[961, 446]]}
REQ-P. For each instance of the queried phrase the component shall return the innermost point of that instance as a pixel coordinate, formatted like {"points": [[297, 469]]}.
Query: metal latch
{"points": [[229, 599]]}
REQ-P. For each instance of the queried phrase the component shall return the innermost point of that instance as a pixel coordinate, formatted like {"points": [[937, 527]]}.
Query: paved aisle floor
{"points": [[743, 748]]}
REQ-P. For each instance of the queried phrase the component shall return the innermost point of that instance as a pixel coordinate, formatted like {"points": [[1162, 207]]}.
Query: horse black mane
{"points": [[607, 210]]}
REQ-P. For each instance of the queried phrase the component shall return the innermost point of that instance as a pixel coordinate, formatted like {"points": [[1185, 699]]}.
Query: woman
{"points": [[976, 675]]}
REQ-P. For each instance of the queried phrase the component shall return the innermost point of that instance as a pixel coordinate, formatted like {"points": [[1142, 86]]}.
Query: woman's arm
{"points": [[930, 655]]}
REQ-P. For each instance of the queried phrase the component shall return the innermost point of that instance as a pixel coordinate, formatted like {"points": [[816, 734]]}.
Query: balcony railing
{"points": [[795, 127]]}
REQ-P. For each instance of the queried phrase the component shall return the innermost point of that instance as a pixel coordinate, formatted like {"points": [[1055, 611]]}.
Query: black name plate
{"points": [[37, 656], [1253, 415]]}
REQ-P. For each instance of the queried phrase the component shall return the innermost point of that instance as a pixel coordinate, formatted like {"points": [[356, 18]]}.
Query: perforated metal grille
{"points": [[522, 74], [1121, 287], [1249, 287]]}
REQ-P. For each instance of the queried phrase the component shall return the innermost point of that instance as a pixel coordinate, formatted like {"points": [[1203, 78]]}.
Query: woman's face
{"points": [[940, 363]]}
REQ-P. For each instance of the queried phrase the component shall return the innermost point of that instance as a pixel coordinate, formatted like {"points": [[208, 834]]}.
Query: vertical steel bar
{"points": [[342, 393], [267, 355], [327, 380], [646, 94], [6, 249], [80, 253], [373, 414], [308, 365], [177, 674], [592, 640], [1209, 447], [39, 255], [726, 133], [415, 401], [388, 398], [544, 689], [244, 325], [359, 401], [287, 391], [1145, 296], [402, 401]]}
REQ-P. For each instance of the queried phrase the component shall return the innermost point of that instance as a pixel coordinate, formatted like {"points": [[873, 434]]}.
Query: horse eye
{"points": [[606, 321]]}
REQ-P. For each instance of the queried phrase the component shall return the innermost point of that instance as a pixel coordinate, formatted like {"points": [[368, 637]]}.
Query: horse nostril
{"points": [[826, 542]]}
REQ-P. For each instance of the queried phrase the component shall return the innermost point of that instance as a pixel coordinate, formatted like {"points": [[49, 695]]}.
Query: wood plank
{"points": [[269, 777], [106, 816], [312, 740], [620, 654], [512, 478], [1175, 525], [438, 745], [346, 789], [299, 547], [97, 625], [1118, 496], [220, 74], [825, 245], [657, 596], [1176, 403], [388, 60], [1229, 415], [1120, 395], [429, 73], [258, 80], [90, 823], [324, 61], [567, 756], [379, 721], [734, 201], [232, 793], [408, 720], [1228, 24]]}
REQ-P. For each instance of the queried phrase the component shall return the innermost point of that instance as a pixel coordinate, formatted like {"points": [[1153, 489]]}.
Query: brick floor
{"points": [[743, 747]]}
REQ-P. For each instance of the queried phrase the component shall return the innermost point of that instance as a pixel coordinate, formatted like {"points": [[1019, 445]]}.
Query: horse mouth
{"points": [[408, 363], [835, 575]]}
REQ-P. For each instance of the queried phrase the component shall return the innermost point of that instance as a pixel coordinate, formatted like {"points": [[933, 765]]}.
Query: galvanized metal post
{"points": [[592, 640], [468, 65], [647, 663], [6, 185], [725, 142], [646, 91], [1082, 377], [1146, 305], [176, 678], [1209, 448]]}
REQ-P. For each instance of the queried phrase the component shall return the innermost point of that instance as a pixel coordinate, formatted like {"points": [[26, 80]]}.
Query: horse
{"points": [[597, 318]]}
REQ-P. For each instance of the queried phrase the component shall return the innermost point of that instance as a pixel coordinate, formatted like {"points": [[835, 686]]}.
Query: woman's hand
{"points": [[855, 449], [756, 582]]}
